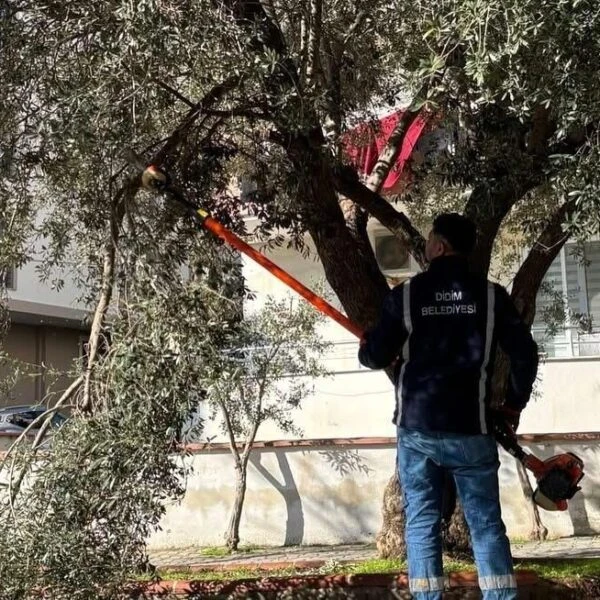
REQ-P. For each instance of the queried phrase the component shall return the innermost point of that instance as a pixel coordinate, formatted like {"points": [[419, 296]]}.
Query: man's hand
{"points": [[511, 416]]}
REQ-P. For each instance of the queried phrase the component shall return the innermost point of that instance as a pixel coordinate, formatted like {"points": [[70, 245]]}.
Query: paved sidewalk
{"points": [[316, 556]]}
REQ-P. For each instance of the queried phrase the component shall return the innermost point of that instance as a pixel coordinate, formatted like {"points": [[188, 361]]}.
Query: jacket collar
{"points": [[453, 263]]}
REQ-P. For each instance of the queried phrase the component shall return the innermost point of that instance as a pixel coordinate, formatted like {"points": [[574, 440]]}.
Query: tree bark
{"points": [[390, 539], [314, 40], [106, 292], [348, 184], [352, 271], [232, 536]]}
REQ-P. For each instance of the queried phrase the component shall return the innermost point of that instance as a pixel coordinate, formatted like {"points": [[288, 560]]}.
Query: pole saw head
{"points": [[154, 178], [557, 477]]}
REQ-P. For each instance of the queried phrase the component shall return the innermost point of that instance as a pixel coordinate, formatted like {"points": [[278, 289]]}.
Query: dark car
{"points": [[14, 419]]}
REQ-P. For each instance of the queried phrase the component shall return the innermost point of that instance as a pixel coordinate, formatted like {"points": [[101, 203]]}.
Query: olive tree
{"points": [[264, 378], [265, 90]]}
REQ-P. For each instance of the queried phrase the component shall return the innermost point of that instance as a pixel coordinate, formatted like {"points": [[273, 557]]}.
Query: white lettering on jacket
{"points": [[449, 309], [448, 296], [456, 308]]}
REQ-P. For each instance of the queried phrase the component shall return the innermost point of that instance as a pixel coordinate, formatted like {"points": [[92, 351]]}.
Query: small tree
{"points": [[264, 379]]}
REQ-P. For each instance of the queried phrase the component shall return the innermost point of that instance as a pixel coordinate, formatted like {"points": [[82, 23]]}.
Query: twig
{"points": [[15, 487], [59, 403], [174, 92]]}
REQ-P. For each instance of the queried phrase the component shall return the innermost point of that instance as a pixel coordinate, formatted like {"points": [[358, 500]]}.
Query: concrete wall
{"points": [[328, 495], [29, 288], [357, 402]]}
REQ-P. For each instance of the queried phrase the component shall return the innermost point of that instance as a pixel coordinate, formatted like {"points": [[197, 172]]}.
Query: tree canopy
{"points": [[214, 90]]}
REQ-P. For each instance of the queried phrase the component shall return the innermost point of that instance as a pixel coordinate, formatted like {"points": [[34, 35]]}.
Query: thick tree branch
{"points": [[235, 111], [542, 128], [263, 34], [488, 206], [251, 14], [531, 273], [361, 15], [347, 184], [314, 39], [106, 289]]}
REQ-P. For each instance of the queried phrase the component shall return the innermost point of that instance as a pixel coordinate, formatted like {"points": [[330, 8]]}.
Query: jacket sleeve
{"points": [[515, 339], [381, 345]]}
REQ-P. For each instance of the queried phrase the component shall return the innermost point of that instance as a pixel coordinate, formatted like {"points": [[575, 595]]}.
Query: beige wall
{"points": [[332, 495], [62, 347], [54, 347], [566, 398]]}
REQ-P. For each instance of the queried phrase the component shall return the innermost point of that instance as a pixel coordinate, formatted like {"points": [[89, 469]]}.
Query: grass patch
{"points": [[546, 569], [214, 551], [218, 551], [575, 568], [233, 575], [375, 565]]}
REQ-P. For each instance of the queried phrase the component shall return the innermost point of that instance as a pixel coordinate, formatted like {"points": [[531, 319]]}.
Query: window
{"points": [[10, 279], [567, 321]]}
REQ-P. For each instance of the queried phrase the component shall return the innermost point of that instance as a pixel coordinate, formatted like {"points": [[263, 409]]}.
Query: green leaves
{"points": [[269, 369]]}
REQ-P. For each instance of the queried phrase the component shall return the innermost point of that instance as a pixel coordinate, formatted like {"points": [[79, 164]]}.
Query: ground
{"points": [[196, 559]]}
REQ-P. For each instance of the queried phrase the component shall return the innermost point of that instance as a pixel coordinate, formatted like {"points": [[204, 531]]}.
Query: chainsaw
{"points": [[556, 477]]}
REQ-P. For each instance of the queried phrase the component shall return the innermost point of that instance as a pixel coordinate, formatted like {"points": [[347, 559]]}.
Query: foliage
{"points": [[79, 524], [263, 378], [272, 368]]}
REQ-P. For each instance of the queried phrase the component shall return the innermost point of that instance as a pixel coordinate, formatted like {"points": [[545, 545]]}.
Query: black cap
{"points": [[458, 231]]}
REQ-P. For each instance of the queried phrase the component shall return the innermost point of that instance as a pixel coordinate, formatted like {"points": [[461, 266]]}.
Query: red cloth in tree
{"points": [[363, 144]]}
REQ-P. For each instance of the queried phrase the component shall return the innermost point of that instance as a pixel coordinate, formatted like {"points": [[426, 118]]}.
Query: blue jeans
{"points": [[473, 462]]}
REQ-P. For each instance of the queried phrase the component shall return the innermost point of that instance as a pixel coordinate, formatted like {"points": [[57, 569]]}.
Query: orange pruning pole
{"points": [[156, 179]]}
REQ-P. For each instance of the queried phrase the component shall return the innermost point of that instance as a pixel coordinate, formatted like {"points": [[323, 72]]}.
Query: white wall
{"points": [[30, 289], [357, 402], [332, 495], [567, 397]]}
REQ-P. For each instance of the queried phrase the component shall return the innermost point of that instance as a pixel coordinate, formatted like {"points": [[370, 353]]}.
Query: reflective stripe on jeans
{"points": [[429, 584], [497, 582]]}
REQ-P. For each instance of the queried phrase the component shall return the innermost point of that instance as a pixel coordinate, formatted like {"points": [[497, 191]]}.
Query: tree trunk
{"points": [[361, 287], [390, 539], [232, 536], [356, 278]]}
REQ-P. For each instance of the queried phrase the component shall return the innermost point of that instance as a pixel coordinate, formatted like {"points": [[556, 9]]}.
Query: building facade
{"points": [[48, 333]]}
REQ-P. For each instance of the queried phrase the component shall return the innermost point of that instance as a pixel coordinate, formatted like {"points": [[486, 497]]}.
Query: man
{"points": [[444, 326]]}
